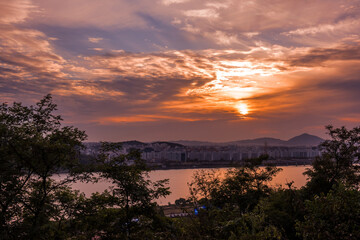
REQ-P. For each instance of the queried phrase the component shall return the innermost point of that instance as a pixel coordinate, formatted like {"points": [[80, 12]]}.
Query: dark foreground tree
{"points": [[282, 209], [333, 216], [226, 204], [241, 187], [33, 147], [339, 162], [133, 213]]}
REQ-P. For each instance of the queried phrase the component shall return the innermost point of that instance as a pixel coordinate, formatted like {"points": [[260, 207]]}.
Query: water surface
{"points": [[179, 179]]}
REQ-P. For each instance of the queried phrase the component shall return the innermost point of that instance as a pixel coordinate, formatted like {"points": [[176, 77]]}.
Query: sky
{"points": [[185, 69]]}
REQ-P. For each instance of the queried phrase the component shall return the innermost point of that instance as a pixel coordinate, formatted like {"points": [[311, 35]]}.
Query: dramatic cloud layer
{"points": [[185, 69]]}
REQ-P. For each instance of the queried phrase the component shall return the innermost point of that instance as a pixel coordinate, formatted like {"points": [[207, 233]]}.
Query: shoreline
{"points": [[228, 164], [222, 164]]}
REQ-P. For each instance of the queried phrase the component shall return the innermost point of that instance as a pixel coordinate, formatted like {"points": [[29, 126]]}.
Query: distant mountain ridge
{"points": [[305, 139], [301, 140]]}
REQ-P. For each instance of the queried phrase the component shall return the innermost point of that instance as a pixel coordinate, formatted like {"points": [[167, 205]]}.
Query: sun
{"points": [[242, 108]]}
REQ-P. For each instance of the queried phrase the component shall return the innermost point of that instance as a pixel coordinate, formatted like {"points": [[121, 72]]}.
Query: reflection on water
{"points": [[179, 178]]}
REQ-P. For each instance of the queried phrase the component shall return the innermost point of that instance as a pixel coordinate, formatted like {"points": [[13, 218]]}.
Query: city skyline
{"points": [[182, 69]]}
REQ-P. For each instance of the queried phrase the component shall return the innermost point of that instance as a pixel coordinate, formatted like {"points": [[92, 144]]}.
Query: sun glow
{"points": [[242, 108], [236, 83]]}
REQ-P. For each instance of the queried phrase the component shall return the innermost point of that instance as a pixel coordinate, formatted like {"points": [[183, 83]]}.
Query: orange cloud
{"points": [[246, 62], [352, 118], [144, 118]]}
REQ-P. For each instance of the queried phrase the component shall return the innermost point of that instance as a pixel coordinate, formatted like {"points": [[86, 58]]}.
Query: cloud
{"points": [[169, 2], [251, 34], [239, 22], [105, 14], [210, 80], [97, 49], [28, 62], [317, 56], [184, 65], [202, 13], [29, 51], [225, 39], [15, 11], [218, 5], [143, 118], [344, 25], [95, 39]]}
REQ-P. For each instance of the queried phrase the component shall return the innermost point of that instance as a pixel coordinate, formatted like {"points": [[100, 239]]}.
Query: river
{"points": [[178, 179]]}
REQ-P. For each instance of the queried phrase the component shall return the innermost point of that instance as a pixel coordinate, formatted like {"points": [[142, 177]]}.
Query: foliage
{"points": [[282, 209], [242, 187], [204, 184], [33, 146], [228, 202], [335, 215], [134, 210], [339, 162], [245, 186]]}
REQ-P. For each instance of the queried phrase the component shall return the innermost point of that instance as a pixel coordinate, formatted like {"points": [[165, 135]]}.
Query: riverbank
{"points": [[225, 164]]}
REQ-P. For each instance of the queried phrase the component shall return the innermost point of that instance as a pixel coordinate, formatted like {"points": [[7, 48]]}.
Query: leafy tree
{"points": [[339, 161], [252, 226], [229, 201], [203, 186], [245, 186], [33, 147], [335, 215], [282, 209], [133, 194], [242, 187]]}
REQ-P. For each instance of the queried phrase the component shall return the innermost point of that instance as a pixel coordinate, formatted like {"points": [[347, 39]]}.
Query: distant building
{"points": [[163, 151]]}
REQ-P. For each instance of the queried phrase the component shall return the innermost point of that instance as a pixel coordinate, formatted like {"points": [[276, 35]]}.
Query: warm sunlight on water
{"points": [[179, 178]]}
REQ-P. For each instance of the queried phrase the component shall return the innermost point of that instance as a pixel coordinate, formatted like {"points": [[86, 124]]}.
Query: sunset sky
{"points": [[185, 69]]}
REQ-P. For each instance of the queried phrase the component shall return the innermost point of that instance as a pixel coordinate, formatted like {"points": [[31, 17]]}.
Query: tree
{"points": [[133, 193], [227, 202], [332, 208], [244, 186], [335, 215], [33, 147], [338, 163], [282, 209]]}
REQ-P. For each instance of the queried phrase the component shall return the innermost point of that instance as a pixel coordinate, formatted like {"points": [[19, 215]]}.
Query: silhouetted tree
{"points": [[133, 194], [33, 147], [338, 162], [333, 216], [225, 204]]}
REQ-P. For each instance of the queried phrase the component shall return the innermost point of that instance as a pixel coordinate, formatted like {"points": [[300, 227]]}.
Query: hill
{"points": [[301, 140], [304, 140]]}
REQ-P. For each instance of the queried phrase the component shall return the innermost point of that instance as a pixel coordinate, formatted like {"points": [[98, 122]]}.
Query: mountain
{"points": [[171, 144], [301, 140], [258, 141], [133, 143], [194, 143], [304, 140]]}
